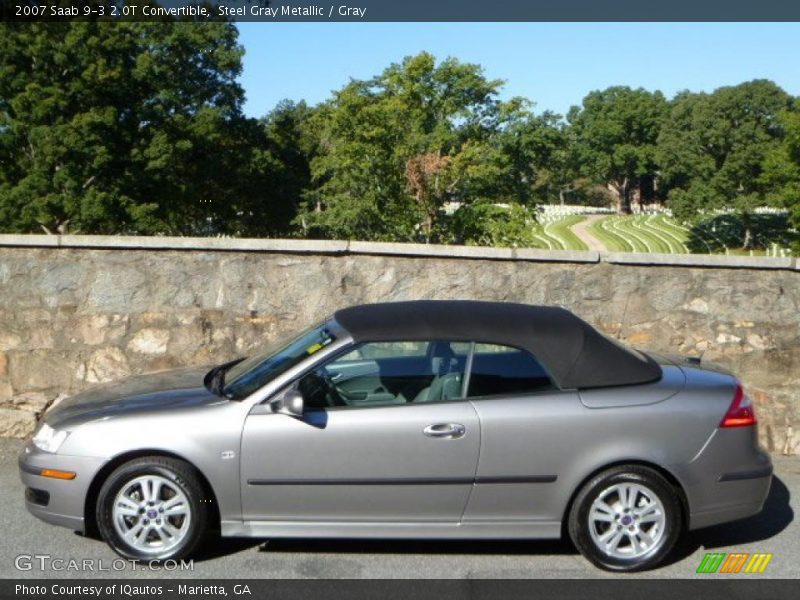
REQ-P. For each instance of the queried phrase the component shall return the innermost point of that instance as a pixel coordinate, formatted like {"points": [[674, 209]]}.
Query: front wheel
{"points": [[153, 508], [627, 518]]}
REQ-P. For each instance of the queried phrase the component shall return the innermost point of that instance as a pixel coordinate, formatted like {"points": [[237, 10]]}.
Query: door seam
{"points": [[477, 460]]}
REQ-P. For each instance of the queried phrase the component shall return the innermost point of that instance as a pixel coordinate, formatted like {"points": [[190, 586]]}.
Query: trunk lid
{"points": [[689, 362]]}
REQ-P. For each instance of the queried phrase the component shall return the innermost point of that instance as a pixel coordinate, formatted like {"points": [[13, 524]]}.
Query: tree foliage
{"points": [[713, 149], [284, 160], [138, 128], [615, 134], [487, 224], [125, 127], [395, 149], [781, 174]]}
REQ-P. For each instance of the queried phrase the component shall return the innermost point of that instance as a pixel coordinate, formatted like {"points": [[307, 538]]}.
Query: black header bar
{"points": [[405, 10]]}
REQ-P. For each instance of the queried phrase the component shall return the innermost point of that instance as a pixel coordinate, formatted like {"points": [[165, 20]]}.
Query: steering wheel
{"points": [[331, 391]]}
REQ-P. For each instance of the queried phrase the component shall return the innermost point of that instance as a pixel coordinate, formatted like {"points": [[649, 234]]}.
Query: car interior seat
{"points": [[446, 383]]}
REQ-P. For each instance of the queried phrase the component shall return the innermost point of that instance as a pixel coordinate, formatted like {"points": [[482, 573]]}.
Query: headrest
{"points": [[443, 359]]}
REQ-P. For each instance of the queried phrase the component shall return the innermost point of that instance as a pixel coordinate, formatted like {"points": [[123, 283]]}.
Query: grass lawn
{"points": [[562, 232], [660, 233], [610, 238]]}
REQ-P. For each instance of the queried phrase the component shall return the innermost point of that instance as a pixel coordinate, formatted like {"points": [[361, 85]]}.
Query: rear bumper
{"points": [[750, 493], [728, 480], [57, 501]]}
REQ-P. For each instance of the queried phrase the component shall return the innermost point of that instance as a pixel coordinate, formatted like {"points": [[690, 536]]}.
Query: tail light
{"points": [[741, 412]]}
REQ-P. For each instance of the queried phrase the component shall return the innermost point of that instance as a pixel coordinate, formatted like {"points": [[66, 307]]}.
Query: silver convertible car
{"points": [[426, 419]]}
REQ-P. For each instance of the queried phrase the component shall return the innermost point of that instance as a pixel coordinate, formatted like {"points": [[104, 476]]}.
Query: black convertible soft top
{"points": [[573, 352]]}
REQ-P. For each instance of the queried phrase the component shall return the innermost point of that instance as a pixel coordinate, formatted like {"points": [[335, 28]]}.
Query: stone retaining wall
{"points": [[77, 310]]}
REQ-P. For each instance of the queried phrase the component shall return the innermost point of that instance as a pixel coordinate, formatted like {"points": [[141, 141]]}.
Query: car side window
{"points": [[500, 370], [376, 350], [388, 373]]}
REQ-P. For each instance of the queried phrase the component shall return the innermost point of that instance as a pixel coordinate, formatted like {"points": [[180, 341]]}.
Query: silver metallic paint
{"points": [[570, 434]]}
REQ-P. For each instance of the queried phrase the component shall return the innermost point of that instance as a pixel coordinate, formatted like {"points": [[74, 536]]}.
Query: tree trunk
{"points": [[427, 226], [60, 228], [623, 191], [636, 199], [747, 244]]}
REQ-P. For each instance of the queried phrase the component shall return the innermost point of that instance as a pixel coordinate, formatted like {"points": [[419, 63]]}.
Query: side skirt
{"points": [[471, 530]]}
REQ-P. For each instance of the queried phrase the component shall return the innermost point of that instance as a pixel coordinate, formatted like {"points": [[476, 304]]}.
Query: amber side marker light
{"points": [[55, 474], [740, 413]]}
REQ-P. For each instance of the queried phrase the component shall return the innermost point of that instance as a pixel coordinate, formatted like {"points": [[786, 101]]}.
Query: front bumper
{"points": [[57, 501]]}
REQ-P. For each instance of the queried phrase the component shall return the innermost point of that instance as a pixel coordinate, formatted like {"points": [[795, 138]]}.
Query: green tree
{"points": [[782, 168], [284, 157], [395, 149], [537, 149], [487, 224], [124, 128], [615, 133], [713, 150]]}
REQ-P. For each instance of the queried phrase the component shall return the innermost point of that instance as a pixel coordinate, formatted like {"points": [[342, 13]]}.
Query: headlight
{"points": [[49, 439]]}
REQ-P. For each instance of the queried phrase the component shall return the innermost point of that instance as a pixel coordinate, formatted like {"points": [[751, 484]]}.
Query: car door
{"points": [[395, 458], [527, 438]]}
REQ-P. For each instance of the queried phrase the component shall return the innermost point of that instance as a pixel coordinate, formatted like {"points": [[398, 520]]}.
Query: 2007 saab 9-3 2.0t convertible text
{"points": [[426, 419]]}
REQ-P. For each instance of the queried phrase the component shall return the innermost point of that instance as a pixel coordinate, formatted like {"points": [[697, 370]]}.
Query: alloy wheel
{"points": [[151, 514], [627, 520]]}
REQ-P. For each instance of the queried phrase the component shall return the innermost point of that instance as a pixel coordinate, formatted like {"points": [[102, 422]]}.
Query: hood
{"points": [[166, 390]]}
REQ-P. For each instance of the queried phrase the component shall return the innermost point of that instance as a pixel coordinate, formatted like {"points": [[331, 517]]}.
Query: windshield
{"points": [[243, 378]]}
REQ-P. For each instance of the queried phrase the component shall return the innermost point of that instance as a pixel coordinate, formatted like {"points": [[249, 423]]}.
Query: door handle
{"points": [[448, 431]]}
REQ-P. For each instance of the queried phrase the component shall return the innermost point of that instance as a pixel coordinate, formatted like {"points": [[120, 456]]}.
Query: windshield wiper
{"points": [[215, 378]]}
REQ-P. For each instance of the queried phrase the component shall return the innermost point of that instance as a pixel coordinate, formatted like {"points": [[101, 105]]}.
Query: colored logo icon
{"points": [[735, 562]]}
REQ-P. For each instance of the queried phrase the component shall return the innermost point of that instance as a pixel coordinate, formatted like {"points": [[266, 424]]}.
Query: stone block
{"points": [[16, 423], [38, 371], [149, 341], [107, 364]]}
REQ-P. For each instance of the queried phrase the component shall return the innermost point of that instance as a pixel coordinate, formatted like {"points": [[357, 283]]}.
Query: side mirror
{"points": [[291, 403]]}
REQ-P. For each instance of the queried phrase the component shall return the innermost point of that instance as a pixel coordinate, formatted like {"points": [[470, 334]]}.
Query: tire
{"points": [[627, 518], [169, 524]]}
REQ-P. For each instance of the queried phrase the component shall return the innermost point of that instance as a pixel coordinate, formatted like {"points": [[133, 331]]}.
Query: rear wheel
{"points": [[627, 518], [153, 508]]}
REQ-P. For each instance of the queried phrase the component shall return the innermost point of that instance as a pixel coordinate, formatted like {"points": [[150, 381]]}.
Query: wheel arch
{"points": [[90, 505], [660, 469]]}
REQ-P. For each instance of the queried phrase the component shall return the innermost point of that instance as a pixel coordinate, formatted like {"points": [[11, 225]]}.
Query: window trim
{"points": [[468, 371], [518, 395], [406, 405]]}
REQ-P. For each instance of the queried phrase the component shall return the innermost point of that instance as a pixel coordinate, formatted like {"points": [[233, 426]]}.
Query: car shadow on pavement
{"points": [[215, 548], [224, 547], [369, 546], [776, 515]]}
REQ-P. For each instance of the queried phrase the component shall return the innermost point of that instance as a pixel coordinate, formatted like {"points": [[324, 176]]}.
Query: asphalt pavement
{"points": [[31, 548]]}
